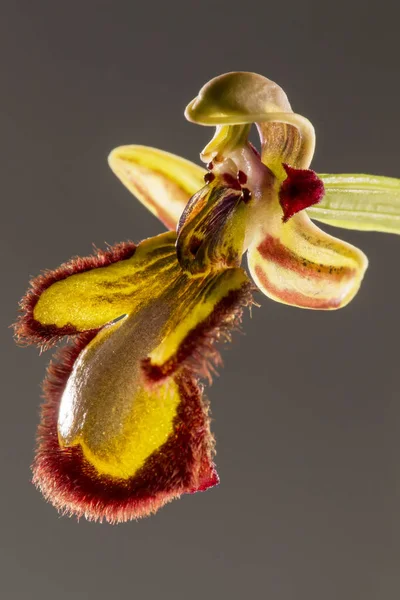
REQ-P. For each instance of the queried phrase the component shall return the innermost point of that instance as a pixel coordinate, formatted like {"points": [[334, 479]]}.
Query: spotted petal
{"points": [[296, 263], [363, 202], [162, 181]]}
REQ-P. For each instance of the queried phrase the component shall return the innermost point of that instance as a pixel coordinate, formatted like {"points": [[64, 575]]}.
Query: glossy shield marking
{"points": [[72, 484]]}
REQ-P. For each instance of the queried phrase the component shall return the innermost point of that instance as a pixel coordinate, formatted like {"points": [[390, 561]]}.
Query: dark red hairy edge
{"points": [[30, 331], [197, 352], [182, 465]]}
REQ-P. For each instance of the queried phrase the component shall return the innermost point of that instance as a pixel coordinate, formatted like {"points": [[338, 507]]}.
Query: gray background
{"points": [[306, 411]]}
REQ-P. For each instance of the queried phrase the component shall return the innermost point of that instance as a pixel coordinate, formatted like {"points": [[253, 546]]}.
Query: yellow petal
{"points": [[296, 263], [82, 295], [162, 181], [105, 410], [362, 202]]}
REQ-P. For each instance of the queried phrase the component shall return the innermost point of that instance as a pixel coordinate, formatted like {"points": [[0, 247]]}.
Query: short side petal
{"points": [[86, 293], [163, 182], [362, 202], [298, 264]]}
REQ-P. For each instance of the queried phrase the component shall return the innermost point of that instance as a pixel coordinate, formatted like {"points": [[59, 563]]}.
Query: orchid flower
{"points": [[124, 427]]}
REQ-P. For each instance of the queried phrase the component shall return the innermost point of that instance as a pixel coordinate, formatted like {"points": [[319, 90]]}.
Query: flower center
{"points": [[217, 221], [240, 194], [231, 157]]}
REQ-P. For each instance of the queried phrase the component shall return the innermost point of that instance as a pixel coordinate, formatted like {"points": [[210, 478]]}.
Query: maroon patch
{"points": [[194, 245], [197, 351], [30, 331], [242, 177], [182, 465], [209, 177], [302, 188], [230, 181]]}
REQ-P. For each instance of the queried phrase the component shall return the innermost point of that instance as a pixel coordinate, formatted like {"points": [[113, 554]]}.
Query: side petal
{"points": [[132, 430], [362, 202], [296, 263], [86, 293], [163, 182]]}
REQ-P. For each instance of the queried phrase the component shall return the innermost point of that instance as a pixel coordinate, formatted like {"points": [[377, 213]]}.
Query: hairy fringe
{"points": [[182, 465], [198, 352], [27, 329]]}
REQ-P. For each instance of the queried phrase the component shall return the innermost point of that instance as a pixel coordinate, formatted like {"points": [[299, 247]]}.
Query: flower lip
{"points": [[72, 485]]}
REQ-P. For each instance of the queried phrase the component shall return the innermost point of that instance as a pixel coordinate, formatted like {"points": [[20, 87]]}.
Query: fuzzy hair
{"points": [[182, 465], [30, 331], [198, 352]]}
